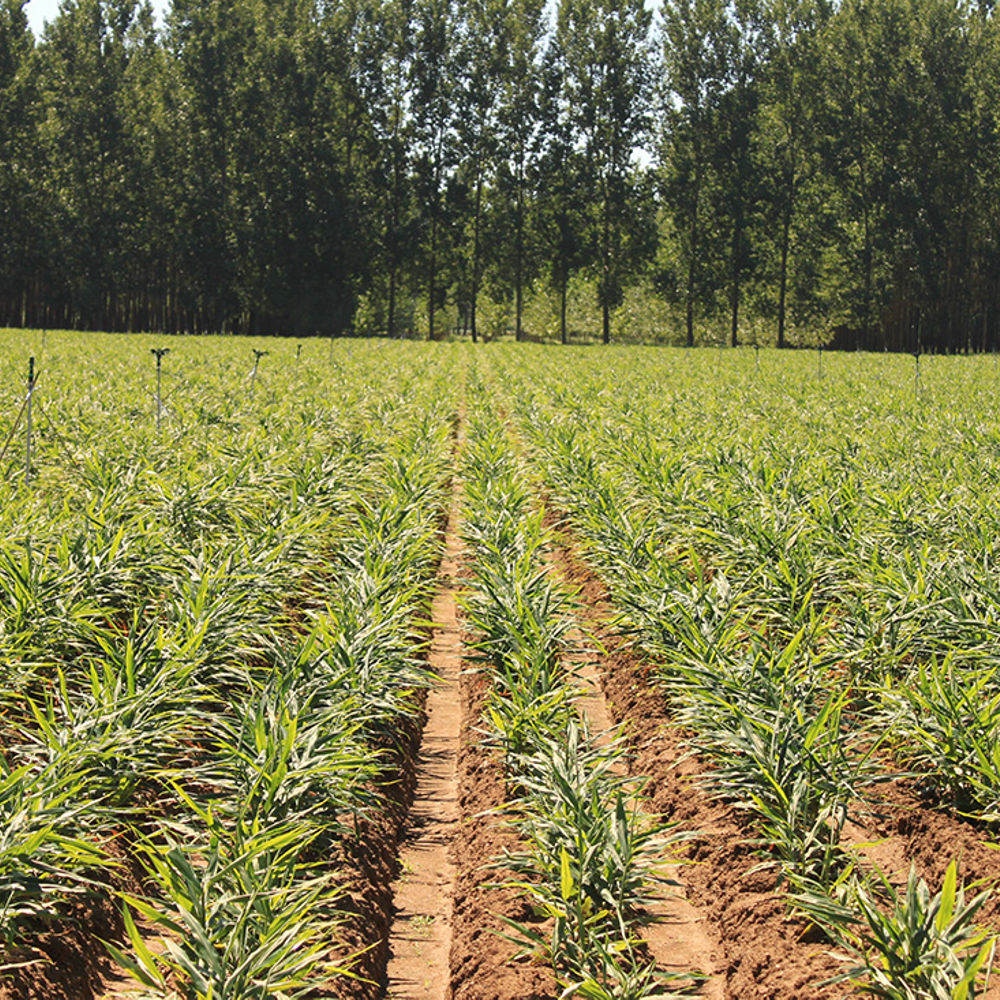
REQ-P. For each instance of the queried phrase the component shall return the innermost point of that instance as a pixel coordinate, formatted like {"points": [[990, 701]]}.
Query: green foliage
{"points": [[590, 856], [48, 855], [783, 171], [946, 719], [242, 917], [913, 944], [802, 558], [211, 637]]}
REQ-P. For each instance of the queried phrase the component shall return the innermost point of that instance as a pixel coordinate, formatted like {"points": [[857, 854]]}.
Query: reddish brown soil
{"points": [[932, 837], [67, 959], [483, 965], [420, 936], [367, 869], [765, 954], [65, 963]]}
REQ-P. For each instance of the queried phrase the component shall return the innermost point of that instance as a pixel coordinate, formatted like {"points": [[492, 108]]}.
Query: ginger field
{"points": [[374, 669]]}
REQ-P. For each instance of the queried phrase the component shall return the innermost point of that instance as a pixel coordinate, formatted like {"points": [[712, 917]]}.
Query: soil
{"points": [[909, 830], [371, 862], [367, 869], [420, 936], [758, 951], [676, 934], [766, 954], [63, 962], [422, 878], [66, 961], [484, 966]]}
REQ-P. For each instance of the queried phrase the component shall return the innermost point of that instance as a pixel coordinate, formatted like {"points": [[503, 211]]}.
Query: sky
{"points": [[40, 11]]}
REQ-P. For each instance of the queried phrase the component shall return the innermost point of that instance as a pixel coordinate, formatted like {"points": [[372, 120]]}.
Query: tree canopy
{"points": [[765, 171]]}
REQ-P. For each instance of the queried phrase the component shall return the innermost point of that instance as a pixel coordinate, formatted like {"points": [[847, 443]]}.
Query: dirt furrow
{"points": [[677, 934], [484, 964], [420, 935], [757, 952]]}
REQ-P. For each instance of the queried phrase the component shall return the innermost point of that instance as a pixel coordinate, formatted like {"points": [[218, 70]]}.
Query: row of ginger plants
{"points": [[760, 696], [207, 681], [590, 857]]}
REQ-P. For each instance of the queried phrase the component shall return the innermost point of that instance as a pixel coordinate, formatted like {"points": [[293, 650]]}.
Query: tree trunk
{"points": [[432, 280], [474, 299], [563, 291], [734, 297], [606, 264], [693, 235], [867, 265], [519, 259], [391, 313], [786, 226]]}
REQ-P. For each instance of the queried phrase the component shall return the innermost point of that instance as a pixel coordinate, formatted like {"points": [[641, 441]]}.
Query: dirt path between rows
{"points": [[677, 935], [421, 931], [757, 952], [484, 965]]}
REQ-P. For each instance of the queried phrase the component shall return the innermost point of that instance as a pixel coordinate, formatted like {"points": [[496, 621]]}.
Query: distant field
{"points": [[775, 573]]}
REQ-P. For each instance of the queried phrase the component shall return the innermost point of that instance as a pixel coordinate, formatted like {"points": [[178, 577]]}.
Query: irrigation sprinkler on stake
{"points": [[916, 372], [158, 352], [756, 357], [257, 355], [32, 381], [820, 360]]}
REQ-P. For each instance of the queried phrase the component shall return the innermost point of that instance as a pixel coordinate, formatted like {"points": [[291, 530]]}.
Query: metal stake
{"points": [[159, 352], [27, 450], [257, 355]]}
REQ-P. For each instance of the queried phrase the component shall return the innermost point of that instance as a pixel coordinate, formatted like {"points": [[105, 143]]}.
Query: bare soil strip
{"points": [[483, 965], [756, 951], [68, 964], [906, 830], [420, 935], [762, 954], [678, 936]]}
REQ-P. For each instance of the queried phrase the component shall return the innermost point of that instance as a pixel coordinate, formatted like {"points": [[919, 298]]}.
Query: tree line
{"points": [[764, 171]]}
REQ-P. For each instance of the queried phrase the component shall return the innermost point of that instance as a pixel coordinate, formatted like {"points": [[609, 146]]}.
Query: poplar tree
{"points": [[695, 58], [521, 26], [608, 60], [20, 249], [563, 184], [787, 127], [90, 153], [433, 94]]}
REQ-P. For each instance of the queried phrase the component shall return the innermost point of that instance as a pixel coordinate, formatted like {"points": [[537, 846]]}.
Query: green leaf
{"points": [[565, 876], [947, 904]]}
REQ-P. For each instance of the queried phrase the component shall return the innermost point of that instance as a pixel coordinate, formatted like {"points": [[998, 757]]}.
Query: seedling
{"points": [[910, 943]]}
